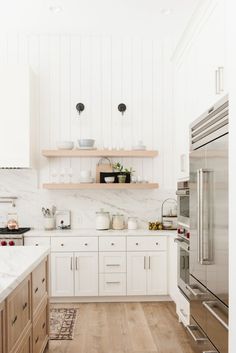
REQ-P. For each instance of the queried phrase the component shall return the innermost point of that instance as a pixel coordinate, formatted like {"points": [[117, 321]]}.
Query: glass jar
{"points": [[102, 220], [118, 222], [132, 223]]}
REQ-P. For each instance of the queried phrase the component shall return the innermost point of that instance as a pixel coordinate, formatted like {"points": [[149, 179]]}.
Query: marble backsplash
{"points": [[144, 204]]}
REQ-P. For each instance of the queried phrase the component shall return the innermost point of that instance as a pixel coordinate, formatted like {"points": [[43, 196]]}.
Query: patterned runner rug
{"points": [[62, 323]]}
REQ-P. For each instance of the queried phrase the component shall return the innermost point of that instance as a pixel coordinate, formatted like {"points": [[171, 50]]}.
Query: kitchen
{"points": [[101, 120]]}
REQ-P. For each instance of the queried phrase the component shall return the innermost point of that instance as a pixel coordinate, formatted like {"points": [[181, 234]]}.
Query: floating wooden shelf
{"points": [[99, 153], [97, 186]]}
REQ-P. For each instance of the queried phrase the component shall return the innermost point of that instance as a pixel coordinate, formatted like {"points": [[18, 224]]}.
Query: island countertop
{"points": [[16, 263]]}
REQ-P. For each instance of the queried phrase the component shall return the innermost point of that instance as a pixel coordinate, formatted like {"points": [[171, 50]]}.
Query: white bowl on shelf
{"points": [[65, 145], [109, 180], [86, 143]]}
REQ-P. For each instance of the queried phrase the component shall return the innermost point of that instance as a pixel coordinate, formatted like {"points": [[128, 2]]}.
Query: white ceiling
{"points": [[96, 16]]}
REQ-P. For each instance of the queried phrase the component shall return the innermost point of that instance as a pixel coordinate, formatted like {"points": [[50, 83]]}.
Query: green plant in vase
{"points": [[118, 167]]}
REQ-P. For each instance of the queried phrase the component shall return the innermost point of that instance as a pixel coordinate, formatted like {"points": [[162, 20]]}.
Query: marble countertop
{"points": [[16, 263], [94, 232]]}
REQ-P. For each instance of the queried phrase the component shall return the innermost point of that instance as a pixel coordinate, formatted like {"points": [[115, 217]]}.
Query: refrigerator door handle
{"points": [[204, 241], [210, 307]]}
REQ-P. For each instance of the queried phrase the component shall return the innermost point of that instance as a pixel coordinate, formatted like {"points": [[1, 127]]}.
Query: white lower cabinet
{"points": [[112, 284], [112, 273], [62, 274], [157, 273], [74, 274], [136, 273], [86, 273], [147, 273], [106, 266]]}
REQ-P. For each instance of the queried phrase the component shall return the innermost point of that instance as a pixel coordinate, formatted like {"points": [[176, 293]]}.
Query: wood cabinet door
{"points": [[86, 273], [2, 328], [136, 273], [62, 274], [157, 273]]}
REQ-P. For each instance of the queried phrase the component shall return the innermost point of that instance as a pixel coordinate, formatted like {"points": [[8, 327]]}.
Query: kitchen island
{"points": [[24, 305]]}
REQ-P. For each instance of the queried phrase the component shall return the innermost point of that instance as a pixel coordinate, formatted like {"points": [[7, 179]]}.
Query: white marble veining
{"points": [[97, 233], [143, 204], [16, 263]]}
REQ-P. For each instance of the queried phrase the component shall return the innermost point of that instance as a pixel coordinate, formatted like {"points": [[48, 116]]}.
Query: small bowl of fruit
{"points": [[155, 226]]}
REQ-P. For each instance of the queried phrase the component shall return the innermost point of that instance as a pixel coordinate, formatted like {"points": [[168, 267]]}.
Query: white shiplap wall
{"points": [[101, 72]]}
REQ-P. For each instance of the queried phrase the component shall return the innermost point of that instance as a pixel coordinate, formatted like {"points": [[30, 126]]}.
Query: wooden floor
{"points": [[125, 328]]}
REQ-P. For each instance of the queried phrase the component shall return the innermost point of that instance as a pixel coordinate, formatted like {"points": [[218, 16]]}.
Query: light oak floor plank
{"points": [[125, 328]]}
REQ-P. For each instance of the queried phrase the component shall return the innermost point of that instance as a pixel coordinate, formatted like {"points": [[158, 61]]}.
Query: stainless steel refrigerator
{"points": [[208, 286]]}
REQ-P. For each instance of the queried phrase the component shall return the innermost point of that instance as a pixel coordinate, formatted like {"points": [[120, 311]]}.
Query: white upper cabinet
{"points": [[199, 74], [16, 134]]}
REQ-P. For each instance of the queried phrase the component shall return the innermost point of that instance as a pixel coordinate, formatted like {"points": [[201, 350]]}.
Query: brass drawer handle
{"points": [[14, 320], [62, 244], [36, 244], [112, 244], [36, 289], [44, 324], [136, 244], [25, 306], [157, 243], [43, 280], [36, 341], [86, 244]]}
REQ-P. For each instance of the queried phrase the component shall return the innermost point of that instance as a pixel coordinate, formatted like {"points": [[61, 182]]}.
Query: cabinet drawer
{"points": [[40, 330], [41, 241], [74, 244], [26, 345], [146, 243], [39, 284], [112, 244], [183, 309], [19, 314], [112, 284], [2, 327], [112, 262]]}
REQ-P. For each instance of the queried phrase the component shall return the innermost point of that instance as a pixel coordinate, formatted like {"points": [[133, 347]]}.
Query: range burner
{"points": [[13, 231]]}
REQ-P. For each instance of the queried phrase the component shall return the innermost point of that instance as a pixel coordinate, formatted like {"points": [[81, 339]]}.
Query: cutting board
{"points": [[104, 165]]}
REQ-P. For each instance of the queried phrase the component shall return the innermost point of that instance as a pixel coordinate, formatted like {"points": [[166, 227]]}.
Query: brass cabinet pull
{"points": [[112, 244], [62, 244], [44, 324], [86, 244], [14, 320], [43, 280], [36, 289], [136, 244], [25, 306], [36, 341]]}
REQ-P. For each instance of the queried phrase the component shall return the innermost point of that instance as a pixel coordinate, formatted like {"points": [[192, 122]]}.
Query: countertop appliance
{"points": [[63, 219], [208, 288], [12, 237]]}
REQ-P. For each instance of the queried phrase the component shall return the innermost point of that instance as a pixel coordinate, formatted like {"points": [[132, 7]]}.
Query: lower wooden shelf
{"points": [[98, 186]]}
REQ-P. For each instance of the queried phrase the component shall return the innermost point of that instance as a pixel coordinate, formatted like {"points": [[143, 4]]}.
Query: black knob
{"points": [[136, 243]]}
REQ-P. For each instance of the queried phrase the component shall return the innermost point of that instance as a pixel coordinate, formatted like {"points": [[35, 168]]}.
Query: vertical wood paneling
{"points": [[100, 72]]}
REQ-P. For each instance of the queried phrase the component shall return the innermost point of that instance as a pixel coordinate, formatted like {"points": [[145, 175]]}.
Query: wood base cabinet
{"points": [[2, 327], [40, 331], [24, 323]]}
